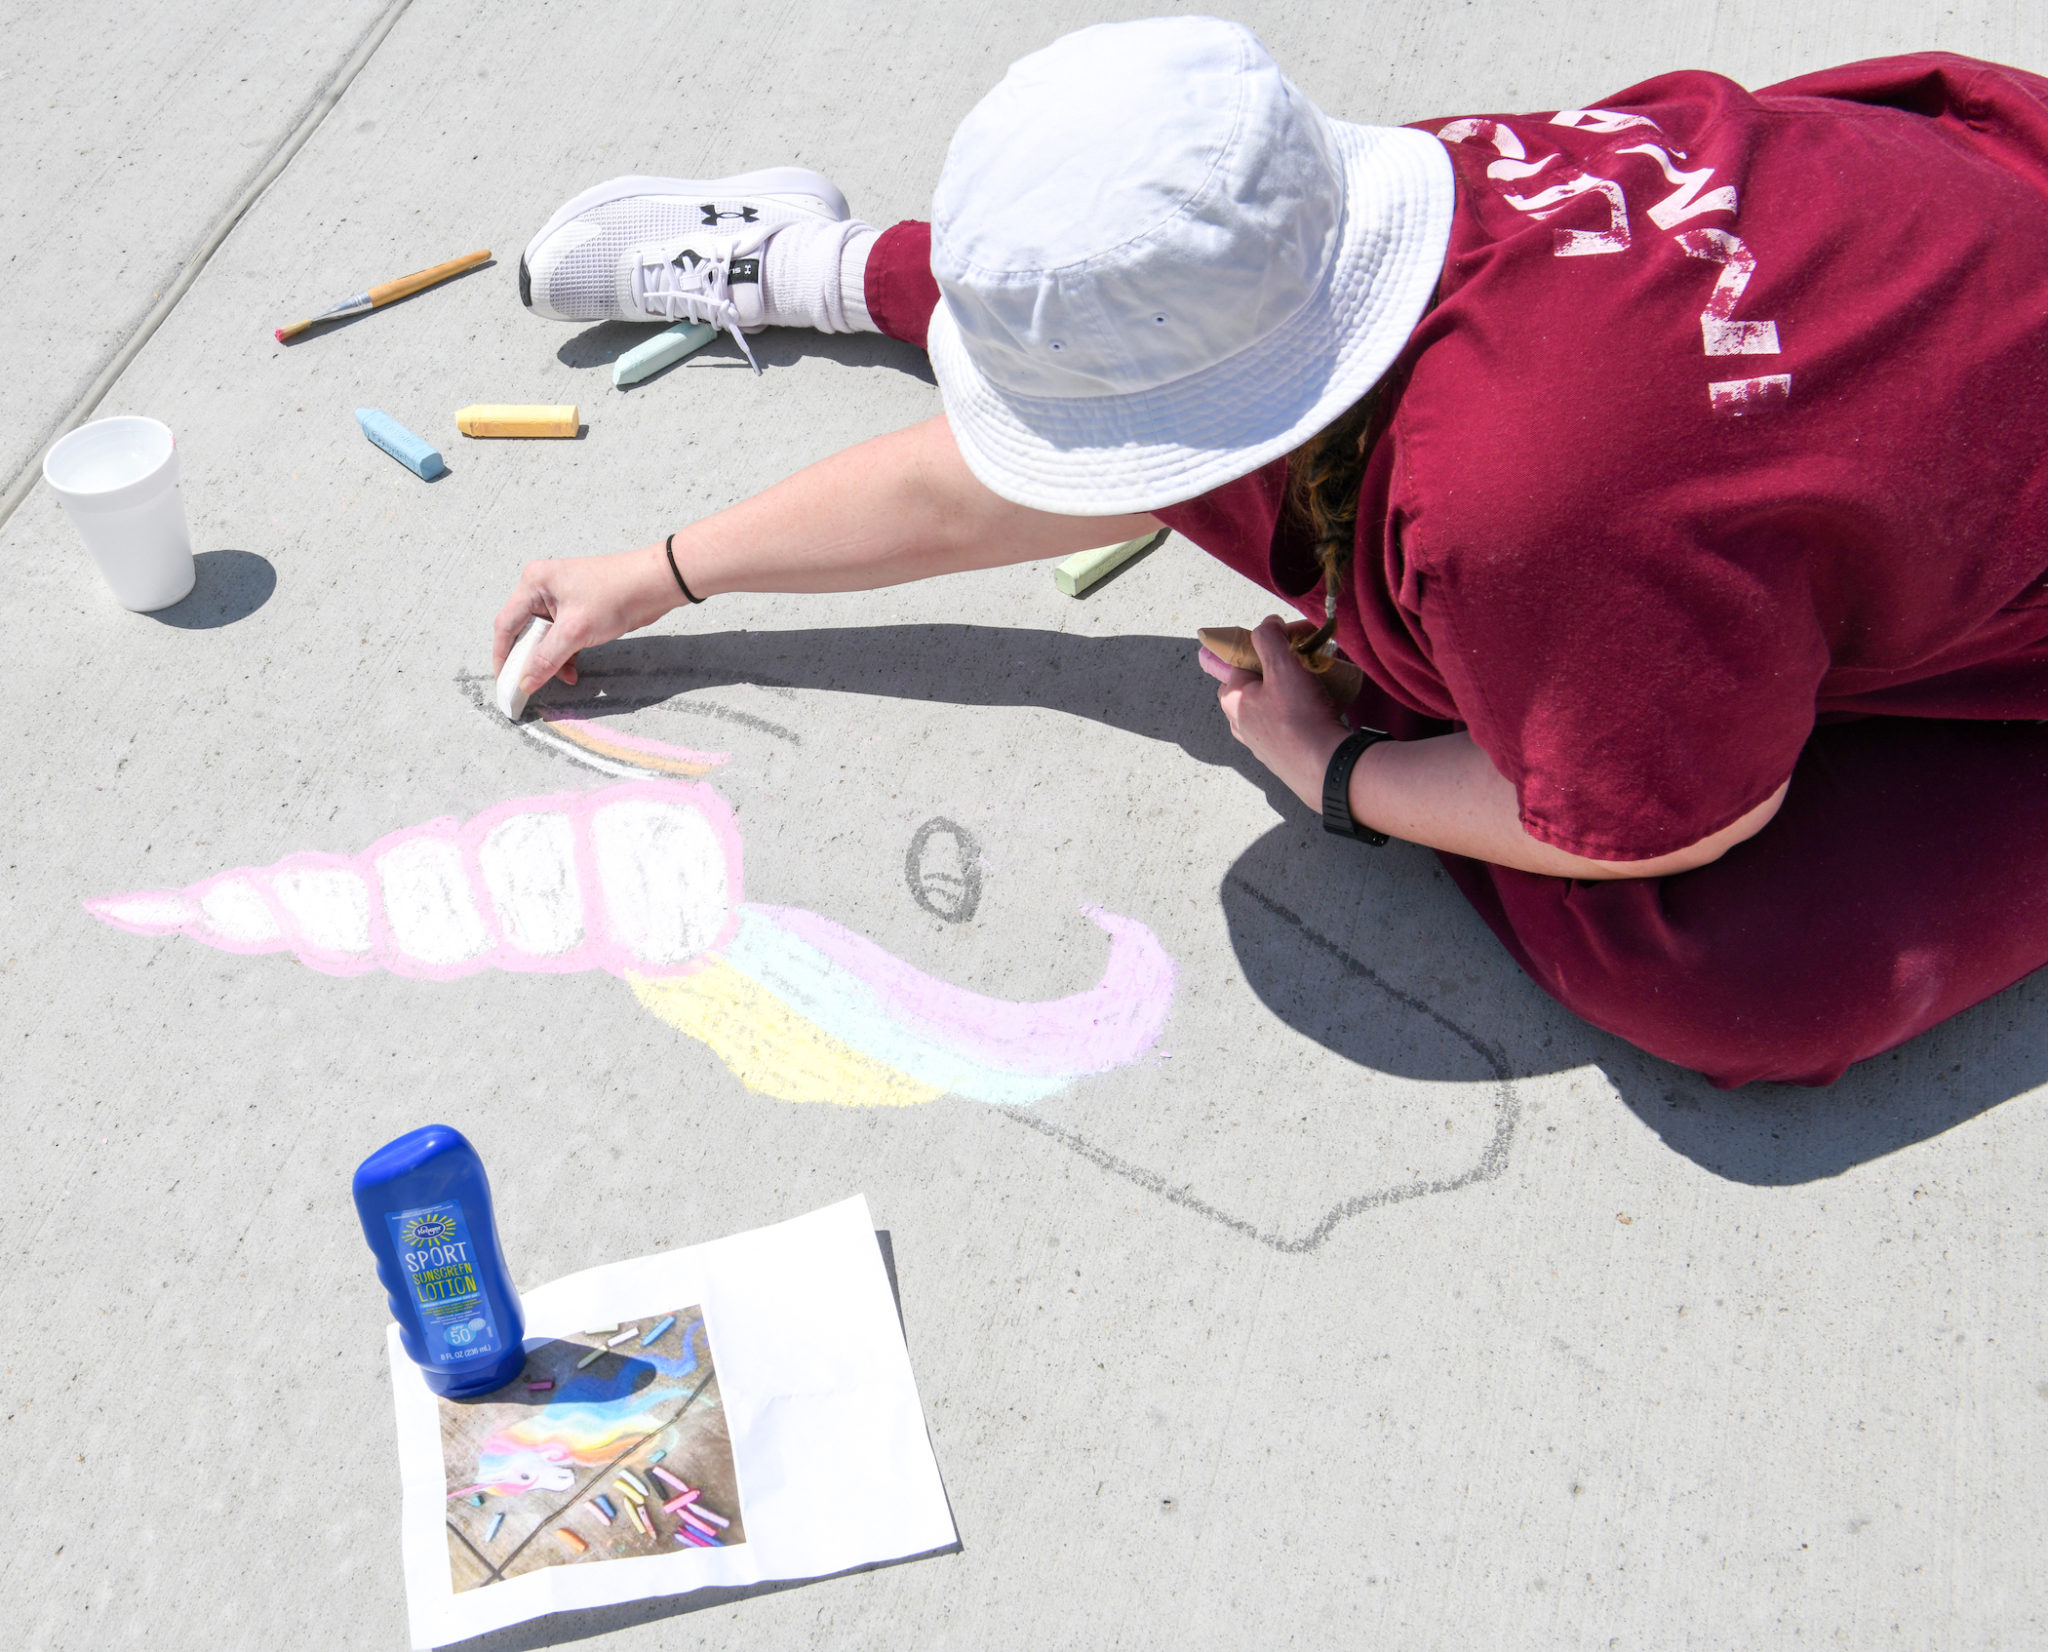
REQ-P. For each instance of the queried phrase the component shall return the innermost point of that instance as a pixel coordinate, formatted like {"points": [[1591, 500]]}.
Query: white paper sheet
{"points": [[834, 1468]]}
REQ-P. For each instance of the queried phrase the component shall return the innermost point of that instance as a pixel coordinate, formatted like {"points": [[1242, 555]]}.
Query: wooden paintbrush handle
{"points": [[406, 285], [1232, 644]]}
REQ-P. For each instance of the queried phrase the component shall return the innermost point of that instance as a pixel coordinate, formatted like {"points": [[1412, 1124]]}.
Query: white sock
{"points": [[853, 281], [803, 277]]}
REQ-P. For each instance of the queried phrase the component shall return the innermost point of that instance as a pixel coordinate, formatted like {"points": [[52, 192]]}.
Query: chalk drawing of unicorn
{"points": [[643, 880]]}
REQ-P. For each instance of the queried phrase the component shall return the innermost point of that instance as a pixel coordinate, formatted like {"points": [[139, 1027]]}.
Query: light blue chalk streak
{"points": [[837, 1002]]}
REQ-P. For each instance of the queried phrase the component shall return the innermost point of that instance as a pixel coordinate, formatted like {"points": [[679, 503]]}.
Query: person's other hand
{"points": [[591, 600], [1284, 717], [1341, 680]]}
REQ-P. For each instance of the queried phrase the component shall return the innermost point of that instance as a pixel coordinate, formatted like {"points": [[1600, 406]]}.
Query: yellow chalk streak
{"points": [[771, 1048]]}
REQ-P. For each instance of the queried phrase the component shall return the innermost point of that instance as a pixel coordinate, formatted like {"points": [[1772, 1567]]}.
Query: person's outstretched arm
{"points": [[905, 507], [898, 508]]}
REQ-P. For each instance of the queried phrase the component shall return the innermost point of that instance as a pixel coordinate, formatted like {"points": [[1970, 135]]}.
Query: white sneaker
{"points": [[676, 249]]}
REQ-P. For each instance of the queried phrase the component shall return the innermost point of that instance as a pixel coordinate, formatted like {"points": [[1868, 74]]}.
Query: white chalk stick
{"points": [[511, 700]]}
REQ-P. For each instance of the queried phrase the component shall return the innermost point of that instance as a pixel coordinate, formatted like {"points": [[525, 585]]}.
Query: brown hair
{"points": [[1324, 476]]}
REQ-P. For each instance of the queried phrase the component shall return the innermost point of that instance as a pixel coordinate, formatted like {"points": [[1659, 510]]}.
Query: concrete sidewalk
{"points": [[1380, 1303]]}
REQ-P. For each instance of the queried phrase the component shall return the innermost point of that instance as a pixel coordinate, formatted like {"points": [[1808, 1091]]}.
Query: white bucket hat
{"points": [[1161, 266]]}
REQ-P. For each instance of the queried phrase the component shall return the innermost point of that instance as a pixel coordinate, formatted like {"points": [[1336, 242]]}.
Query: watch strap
{"points": [[1337, 786]]}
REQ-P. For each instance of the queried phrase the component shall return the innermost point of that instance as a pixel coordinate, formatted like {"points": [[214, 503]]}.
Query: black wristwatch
{"points": [[1337, 786]]}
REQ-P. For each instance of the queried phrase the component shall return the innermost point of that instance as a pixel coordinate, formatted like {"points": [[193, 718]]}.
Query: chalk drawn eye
{"points": [[1160, 319], [943, 869], [1057, 345]]}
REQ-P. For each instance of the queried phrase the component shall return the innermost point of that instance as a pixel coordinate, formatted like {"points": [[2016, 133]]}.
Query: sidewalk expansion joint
{"points": [[267, 174]]}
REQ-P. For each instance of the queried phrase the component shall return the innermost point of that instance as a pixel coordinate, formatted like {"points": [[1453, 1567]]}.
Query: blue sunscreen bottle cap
{"points": [[425, 1206]]}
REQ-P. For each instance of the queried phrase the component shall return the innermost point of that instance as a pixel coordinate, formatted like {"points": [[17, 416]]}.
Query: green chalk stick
{"points": [[1086, 568], [665, 347]]}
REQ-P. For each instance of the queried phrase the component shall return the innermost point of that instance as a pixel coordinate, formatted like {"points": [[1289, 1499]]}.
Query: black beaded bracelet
{"points": [[1337, 786], [688, 594]]}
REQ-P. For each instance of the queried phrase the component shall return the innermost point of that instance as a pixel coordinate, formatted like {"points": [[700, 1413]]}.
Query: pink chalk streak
{"points": [[1112, 1023]]}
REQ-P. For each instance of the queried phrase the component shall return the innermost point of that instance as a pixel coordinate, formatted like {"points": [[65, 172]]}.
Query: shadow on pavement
{"points": [[1780, 1135], [1147, 685], [603, 344], [231, 585], [1768, 1135], [1764, 1134]]}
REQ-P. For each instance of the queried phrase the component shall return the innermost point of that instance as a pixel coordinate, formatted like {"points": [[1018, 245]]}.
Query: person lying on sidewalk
{"points": [[1673, 472]]}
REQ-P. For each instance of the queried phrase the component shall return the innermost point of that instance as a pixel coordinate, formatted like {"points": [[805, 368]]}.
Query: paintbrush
{"points": [[1232, 644], [388, 292]]}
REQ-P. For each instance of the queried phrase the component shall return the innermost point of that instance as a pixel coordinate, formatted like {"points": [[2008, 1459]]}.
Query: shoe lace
{"points": [[695, 286]]}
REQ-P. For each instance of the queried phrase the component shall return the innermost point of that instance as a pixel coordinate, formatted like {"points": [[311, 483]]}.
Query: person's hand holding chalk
{"points": [[899, 507], [590, 600]]}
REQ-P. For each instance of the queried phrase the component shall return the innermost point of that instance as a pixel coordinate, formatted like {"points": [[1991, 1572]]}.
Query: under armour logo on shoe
{"points": [[712, 215], [742, 271]]}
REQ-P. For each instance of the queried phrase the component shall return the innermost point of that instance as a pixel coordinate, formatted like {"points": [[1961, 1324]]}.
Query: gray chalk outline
{"points": [[482, 692], [1492, 1160]]}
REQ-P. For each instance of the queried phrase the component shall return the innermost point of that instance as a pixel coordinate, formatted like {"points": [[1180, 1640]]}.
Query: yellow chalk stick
{"points": [[490, 420], [1085, 568]]}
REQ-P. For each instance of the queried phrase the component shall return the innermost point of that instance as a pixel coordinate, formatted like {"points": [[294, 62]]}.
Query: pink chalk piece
{"points": [[703, 1513], [693, 1538], [1112, 1023], [667, 1478], [674, 1503], [527, 886], [688, 1518]]}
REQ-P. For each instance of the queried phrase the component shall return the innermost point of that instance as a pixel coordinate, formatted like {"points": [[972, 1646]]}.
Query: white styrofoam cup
{"points": [[118, 479]]}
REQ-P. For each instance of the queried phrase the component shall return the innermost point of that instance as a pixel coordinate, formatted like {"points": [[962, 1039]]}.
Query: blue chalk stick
{"points": [[423, 461], [665, 347]]}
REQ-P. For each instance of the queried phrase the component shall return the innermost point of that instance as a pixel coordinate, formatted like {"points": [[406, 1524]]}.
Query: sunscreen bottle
{"points": [[425, 1206]]}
